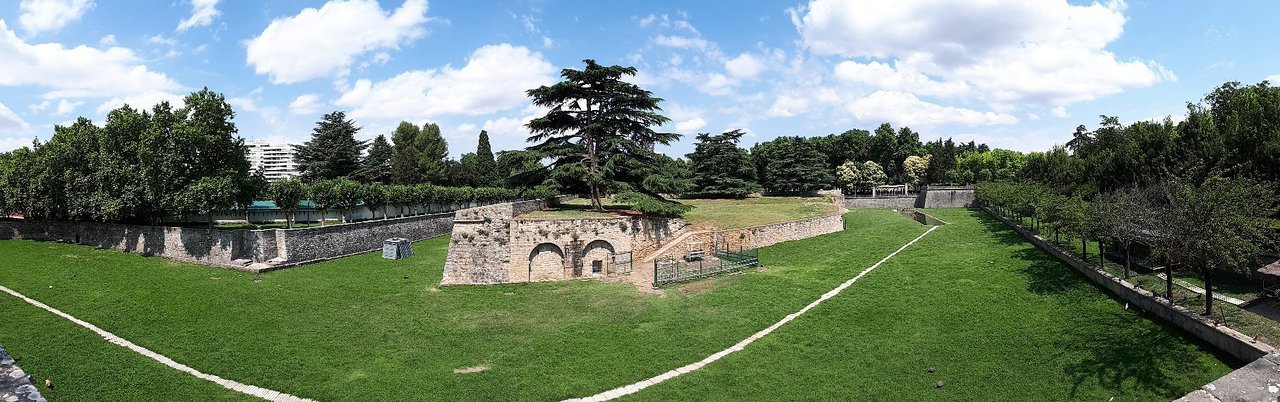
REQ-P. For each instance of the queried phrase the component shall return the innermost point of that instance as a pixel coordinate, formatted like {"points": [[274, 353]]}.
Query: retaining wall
{"points": [[250, 250], [1226, 339], [929, 197], [757, 236]]}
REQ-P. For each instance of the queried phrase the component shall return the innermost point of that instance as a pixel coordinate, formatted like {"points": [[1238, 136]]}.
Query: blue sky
{"points": [[1014, 74]]}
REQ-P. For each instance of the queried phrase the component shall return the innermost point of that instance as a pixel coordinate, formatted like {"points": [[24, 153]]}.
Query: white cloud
{"points": [[107, 41], [646, 21], [547, 42], [885, 76], [326, 41], [50, 15], [66, 107], [495, 78], [1274, 79], [142, 101], [691, 125], [79, 72], [1059, 111], [681, 42], [306, 104], [159, 39], [1013, 52], [744, 66], [905, 109], [10, 122], [202, 14]]}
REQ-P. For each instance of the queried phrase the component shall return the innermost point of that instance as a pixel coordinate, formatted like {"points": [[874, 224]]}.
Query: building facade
{"points": [[275, 160]]}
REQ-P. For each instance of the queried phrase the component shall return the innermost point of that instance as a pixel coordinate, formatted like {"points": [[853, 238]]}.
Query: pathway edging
{"points": [[109, 337]]}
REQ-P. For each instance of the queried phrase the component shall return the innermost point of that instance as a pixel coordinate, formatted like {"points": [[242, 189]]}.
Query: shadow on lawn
{"points": [[1118, 351]]}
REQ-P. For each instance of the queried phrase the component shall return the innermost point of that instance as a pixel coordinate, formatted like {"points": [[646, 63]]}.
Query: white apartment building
{"points": [[275, 160]]}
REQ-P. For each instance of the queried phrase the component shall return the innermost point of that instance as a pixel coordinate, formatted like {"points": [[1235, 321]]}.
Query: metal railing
{"points": [[670, 270]]}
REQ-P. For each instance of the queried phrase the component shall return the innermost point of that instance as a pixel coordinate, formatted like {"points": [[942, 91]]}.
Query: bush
{"points": [[651, 205]]}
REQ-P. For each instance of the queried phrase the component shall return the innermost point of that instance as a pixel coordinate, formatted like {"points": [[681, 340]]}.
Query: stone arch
{"points": [[546, 263], [596, 256]]}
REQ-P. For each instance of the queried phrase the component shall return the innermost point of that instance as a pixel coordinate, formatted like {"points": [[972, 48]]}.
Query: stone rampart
{"points": [[929, 197], [250, 250]]}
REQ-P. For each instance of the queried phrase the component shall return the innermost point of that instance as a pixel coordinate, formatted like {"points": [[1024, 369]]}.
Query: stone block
{"points": [[397, 248]]}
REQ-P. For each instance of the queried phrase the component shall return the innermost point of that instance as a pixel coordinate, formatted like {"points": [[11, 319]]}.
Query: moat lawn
{"points": [[997, 318]]}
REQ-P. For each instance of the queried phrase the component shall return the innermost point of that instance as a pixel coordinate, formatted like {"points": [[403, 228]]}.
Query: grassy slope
{"points": [[356, 329], [722, 214], [999, 319]]}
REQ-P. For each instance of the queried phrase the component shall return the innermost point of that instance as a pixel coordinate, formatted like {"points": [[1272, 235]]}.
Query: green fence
{"points": [[670, 270]]}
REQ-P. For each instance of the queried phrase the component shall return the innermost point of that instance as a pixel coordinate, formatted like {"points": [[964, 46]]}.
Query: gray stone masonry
{"points": [[1256, 381], [247, 250], [14, 386], [929, 197]]}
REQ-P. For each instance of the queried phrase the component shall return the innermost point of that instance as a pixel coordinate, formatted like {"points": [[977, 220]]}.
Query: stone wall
{"points": [[250, 250], [947, 197], [880, 202], [1226, 339], [533, 243], [14, 385], [929, 197], [478, 247], [754, 236]]}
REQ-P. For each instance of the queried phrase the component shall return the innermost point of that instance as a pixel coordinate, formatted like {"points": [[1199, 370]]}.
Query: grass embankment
{"points": [[719, 214], [997, 318], [357, 329], [1242, 320]]}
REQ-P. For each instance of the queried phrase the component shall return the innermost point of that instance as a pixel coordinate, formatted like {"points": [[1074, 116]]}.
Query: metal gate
{"points": [[620, 263]]}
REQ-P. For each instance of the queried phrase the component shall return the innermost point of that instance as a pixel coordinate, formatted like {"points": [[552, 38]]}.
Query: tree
{"points": [[915, 169], [1217, 226], [347, 196], [209, 195], [324, 196], [248, 190], [376, 165], [486, 166], [433, 154], [856, 177], [287, 194], [375, 198], [796, 167], [720, 168], [333, 151], [405, 155], [597, 131], [520, 169]]}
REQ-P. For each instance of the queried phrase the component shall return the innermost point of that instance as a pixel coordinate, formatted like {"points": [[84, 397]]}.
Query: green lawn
{"points": [[983, 307], [721, 214], [997, 318]]}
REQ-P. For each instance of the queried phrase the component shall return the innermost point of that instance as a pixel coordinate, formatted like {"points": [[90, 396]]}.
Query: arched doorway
{"points": [[596, 257], [546, 263]]}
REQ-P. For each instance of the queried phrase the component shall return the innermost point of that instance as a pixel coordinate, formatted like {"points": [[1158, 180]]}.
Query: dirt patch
{"points": [[470, 370]]}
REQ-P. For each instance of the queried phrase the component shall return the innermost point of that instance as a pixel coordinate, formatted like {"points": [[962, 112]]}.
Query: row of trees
{"points": [[140, 166], [1216, 226], [346, 196], [1200, 190], [415, 155]]}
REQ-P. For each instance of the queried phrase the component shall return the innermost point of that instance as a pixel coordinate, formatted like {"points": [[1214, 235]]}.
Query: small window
{"points": [[597, 266]]}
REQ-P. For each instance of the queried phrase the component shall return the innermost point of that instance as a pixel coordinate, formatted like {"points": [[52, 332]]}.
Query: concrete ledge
{"points": [[14, 385]]}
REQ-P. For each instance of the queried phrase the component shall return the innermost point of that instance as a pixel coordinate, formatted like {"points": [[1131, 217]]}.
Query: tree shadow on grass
{"points": [[1123, 351], [999, 231]]}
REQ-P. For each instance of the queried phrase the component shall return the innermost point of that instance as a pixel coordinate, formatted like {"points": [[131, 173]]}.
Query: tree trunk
{"points": [[210, 216], [1102, 255], [322, 216], [1168, 282], [1208, 294], [288, 220], [384, 213], [1084, 247], [1128, 263]]}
